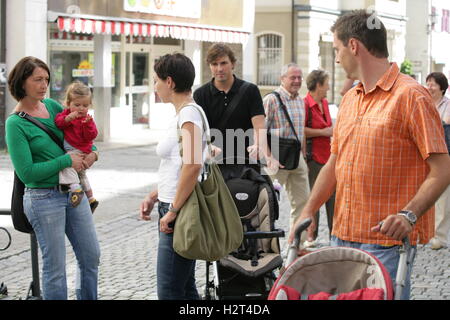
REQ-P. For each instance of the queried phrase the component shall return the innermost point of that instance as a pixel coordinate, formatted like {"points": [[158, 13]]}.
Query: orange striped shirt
{"points": [[382, 139]]}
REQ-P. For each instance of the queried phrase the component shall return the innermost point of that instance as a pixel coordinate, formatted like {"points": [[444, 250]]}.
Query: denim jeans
{"points": [[389, 257], [175, 274], [52, 217]]}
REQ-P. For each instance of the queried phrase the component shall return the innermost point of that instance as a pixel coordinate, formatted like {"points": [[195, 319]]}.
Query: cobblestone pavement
{"points": [[120, 180]]}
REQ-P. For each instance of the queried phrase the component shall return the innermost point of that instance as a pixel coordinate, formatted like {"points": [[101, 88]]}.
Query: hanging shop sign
{"points": [[175, 8], [85, 69]]}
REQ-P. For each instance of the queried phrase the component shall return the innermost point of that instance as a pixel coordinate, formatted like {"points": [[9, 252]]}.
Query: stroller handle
{"points": [[293, 248], [300, 228], [264, 235]]}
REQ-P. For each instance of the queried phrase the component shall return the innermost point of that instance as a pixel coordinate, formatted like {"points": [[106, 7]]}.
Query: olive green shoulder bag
{"points": [[208, 226]]}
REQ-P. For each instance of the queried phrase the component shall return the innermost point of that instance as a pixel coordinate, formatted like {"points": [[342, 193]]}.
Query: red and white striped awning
{"points": [[100, 26]]}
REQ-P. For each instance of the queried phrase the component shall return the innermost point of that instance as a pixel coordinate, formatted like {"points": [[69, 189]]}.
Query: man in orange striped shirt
{"points": [[389, 162]]}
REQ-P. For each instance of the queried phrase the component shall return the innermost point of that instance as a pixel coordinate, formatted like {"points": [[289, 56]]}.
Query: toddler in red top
{"points": [[79, 133]]}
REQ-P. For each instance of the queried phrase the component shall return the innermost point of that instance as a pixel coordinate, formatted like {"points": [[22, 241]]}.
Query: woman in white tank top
{"points": [[174, 77]]}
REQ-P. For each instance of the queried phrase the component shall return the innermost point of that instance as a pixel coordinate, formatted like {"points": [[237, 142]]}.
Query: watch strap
{"points": [[407, 214], [172, 209]]}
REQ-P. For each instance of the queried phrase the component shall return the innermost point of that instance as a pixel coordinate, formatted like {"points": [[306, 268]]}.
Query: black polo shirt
{"points": [[214, 102]]}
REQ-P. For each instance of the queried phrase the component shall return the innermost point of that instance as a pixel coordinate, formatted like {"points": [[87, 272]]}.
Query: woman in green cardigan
{"points": [[37, 160]]}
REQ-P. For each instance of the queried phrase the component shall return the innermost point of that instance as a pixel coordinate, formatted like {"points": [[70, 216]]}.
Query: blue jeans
{"points": [[52, 217], [175, 275], [389, 257]]}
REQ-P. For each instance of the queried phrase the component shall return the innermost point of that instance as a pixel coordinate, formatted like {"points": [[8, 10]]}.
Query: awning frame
{"points": [[92, 24]]}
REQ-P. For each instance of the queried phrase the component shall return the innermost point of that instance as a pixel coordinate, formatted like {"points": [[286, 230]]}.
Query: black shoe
{"points": [[3, 291], [94, 205]]}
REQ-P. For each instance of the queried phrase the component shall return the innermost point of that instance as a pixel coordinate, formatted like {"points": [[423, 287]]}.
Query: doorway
{"points": [[137, 82], [140, 106]]}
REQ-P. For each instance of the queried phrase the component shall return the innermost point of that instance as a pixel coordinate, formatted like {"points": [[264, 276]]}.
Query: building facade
{"points": [[428, 37], [111, 45], [299, 31]]}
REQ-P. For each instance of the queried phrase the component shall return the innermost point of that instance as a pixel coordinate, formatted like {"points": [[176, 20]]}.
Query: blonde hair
{"points": [[76, 90]]}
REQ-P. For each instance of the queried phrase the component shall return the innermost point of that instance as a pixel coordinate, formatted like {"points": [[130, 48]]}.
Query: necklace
{"points": [[185, 103]]}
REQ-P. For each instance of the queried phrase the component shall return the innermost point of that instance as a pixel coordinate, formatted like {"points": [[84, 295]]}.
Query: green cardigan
{"points": [[37, 159]]}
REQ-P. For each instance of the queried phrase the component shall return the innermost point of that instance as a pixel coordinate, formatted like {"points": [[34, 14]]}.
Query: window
{"points": [[433, 18], [445, 21], [269, 59]]}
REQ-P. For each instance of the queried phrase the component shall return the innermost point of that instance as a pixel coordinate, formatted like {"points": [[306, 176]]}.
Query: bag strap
{"points": [[233, 105], [42, 126], [309, 141], [205, 130], [309, 124], [283, 107]]}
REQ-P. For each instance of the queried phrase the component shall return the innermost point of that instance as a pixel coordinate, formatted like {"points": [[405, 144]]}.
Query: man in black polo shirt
{"points": [[216, 96]]}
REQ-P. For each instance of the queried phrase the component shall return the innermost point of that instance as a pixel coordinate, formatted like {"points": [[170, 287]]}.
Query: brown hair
{"points": [[76, 90], [365, 27], [219, 50], [440, 79], [21, 72], [314, 78]]}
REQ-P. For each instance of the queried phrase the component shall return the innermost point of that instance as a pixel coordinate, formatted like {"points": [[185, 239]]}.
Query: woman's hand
{"points": [[327, 132], [165, 221], [147, 206], [77, 161], [215, 151], [89, 160]]}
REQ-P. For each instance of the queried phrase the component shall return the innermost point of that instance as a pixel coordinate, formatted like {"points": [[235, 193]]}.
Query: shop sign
{"points": [[80, 73], [85, 69], [176, 8]]}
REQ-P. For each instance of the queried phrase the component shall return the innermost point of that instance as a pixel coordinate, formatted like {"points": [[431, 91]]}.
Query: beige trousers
{"points": [[296, 184], [70, 176], [442, 217]]}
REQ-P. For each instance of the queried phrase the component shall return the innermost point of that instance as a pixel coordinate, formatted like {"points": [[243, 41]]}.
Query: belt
{"points": [[62, 188]]}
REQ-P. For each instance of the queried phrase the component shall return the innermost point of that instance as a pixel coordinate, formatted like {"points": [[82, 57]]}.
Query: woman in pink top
{"points": [[318, 131], [79, 133]]}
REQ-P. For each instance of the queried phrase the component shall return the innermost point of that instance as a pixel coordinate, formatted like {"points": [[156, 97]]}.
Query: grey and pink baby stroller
{"points": [[338, 273]]}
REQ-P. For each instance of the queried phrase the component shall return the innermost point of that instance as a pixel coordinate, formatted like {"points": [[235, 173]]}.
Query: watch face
{"points": [[412, 216]]}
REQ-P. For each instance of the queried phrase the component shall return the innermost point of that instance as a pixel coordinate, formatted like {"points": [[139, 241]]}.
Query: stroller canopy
{"points": [[335, 271]]}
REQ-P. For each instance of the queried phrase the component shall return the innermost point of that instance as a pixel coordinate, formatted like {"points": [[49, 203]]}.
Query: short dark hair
{"points": [[440, 79], [219, 50], [314, 78], [179, 68], [365, 27], [21, 72]]}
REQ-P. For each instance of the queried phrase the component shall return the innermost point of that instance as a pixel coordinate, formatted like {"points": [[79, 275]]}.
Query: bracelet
{"points": [[172, 209]]}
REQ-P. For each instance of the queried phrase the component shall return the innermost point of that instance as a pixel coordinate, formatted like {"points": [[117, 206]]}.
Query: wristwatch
{"points": [[409, 215], [172, 209]]}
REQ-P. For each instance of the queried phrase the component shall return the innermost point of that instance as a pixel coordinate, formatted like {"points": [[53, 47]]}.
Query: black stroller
{"points": [[248, 272]]}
